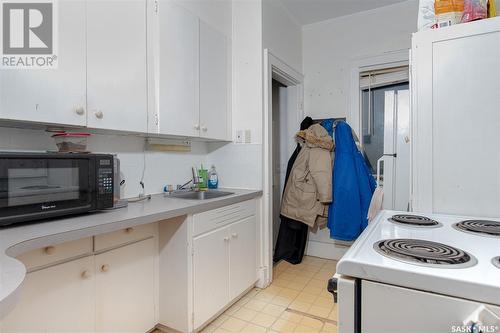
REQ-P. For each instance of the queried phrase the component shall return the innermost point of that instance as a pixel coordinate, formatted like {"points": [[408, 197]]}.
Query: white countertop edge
{"points": [[20, 239]]}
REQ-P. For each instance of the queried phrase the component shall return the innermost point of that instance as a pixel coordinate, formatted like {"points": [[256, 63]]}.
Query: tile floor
{"points": [[296, 301]]}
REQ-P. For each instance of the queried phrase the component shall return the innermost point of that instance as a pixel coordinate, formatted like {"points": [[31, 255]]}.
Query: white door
{"points": [[176, 71], [211, 274], [54, 96], [116, 65], [243, 256], [58, 299], [213, 84], [125, 291]]}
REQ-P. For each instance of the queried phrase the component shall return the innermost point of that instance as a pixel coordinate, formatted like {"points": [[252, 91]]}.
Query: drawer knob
{"points": [[226, 239], [129, 230], [234, 235], [104, 268], [196, 127], [99, 114], [49, 250], [204, 128], [85, 274]]}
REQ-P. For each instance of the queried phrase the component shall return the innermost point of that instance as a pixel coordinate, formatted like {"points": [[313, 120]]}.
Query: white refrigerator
{"points": [[456, 119], [395, 162]]}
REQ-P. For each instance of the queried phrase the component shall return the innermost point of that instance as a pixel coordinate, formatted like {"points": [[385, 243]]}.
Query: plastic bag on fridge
{"points": [[426, 15]]}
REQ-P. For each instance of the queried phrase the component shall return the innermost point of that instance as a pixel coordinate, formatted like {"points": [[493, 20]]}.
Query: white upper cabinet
{"points": [[116, 65], [213, 84], [137, 66], [54, 96], [188, 75], [176, 71]]}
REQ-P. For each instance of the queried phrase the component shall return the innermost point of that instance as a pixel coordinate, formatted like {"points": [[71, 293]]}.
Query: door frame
{"points": [[362, 64], [277, 69]]}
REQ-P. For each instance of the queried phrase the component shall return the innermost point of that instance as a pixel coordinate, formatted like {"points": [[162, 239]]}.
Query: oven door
{"points": [[391, 309], [33, 188]]}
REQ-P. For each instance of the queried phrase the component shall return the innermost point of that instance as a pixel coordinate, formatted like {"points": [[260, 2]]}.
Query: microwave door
{"points": [[28, 186]]}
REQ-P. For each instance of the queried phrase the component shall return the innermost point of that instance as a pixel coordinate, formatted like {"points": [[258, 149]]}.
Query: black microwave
{"points": [[36, 186]]}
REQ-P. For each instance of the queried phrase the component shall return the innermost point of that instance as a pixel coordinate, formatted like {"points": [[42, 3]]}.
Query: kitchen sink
{"points": [[191, 195]]}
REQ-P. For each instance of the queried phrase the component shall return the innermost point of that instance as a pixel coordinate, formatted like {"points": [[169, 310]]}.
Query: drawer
{"points": [[124, 236], [56, 253], [213, 219]]}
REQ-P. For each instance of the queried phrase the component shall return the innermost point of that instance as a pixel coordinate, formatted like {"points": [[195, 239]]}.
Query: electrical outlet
{"points": [[239, 136], [248, 136]]}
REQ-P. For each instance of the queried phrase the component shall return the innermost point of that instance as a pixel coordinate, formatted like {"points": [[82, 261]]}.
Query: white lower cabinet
{"points": [[242, 256], [224, 266], [219, 263], [112, 291], [58, 299], [125, 288], [211, 274]]}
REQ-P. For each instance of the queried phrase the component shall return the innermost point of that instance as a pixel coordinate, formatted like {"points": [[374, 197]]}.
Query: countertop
{"points": [[20, 239]]}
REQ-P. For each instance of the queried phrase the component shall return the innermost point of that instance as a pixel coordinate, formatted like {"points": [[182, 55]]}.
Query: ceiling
{"points": [[310, 11]]}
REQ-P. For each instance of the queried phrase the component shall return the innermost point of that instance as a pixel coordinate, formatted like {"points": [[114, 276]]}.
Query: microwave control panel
{"points": [[105, 184]]}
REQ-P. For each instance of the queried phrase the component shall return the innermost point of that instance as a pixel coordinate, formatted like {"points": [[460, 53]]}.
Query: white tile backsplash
{"points": [[238, 165], [162, 168]]}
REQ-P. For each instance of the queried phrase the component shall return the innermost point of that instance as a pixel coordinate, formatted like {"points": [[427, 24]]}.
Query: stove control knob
{"points": [[333, 288]]}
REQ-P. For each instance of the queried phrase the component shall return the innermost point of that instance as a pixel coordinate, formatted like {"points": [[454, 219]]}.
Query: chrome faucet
{"points": [[196, 178]]}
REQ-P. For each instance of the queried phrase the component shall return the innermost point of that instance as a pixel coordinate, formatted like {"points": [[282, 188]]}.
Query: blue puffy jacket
{"points": [[353, 187]]}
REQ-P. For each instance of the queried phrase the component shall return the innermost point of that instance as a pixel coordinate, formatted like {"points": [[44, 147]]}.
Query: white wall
{"points": [[161, 168], [281, 34], [240, 164], [330, 47]]}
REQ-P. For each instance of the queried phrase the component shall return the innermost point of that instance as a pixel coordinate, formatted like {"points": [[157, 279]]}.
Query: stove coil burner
{"points": [[479, 227], [414, 220], [422, 252], [496, 262]]}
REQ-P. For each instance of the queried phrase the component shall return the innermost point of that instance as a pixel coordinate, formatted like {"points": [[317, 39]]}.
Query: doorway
{"points": [[283, 112], [281, 140]]}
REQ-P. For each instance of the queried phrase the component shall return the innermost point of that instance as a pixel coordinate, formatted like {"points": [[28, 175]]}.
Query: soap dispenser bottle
{"points": [[213, 179]]}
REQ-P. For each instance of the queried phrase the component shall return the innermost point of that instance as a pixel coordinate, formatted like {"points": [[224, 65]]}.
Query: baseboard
{"points": [[325, 250]]}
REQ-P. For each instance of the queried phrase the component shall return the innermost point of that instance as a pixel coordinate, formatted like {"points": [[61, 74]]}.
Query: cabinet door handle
{"points": [[104, 268], [80, 111], [99, 114], [49, 250], [129, 230], [85, 274], [235, 235], [226, 239]]}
